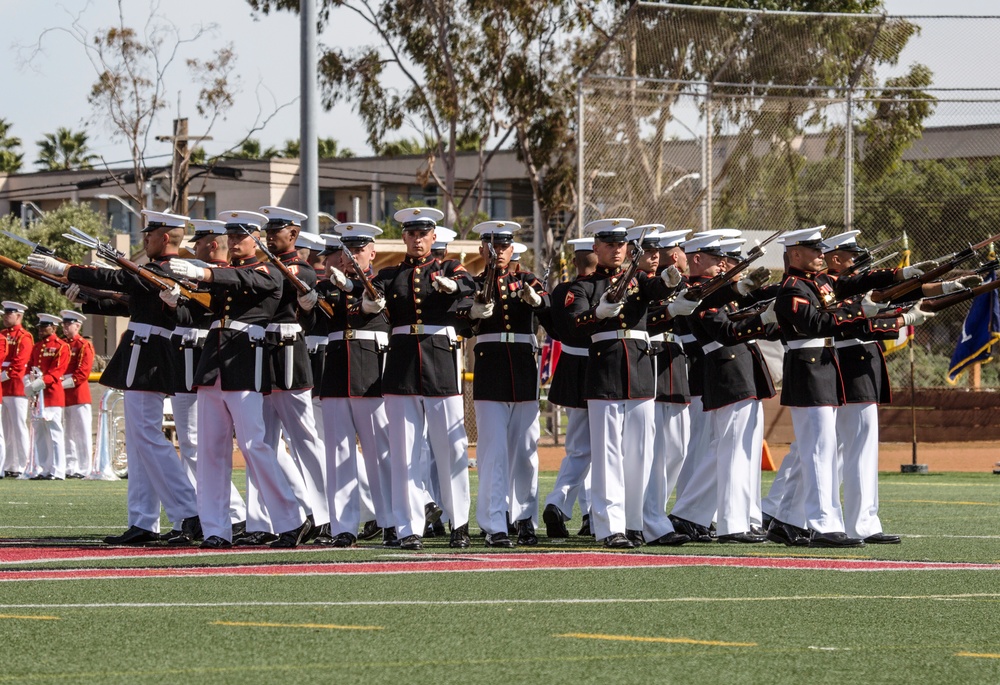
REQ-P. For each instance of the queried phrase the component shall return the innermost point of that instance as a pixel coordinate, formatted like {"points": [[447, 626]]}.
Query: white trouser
{"points": [[443, 419], [583, 494], [155, 473], [735, 427], [364, 489], [257, 516], [219, 413], [670, 441], [575, 466], [621, 440], [697, 447], [291, 411], [78, 424], [771, 504], [347, 422], [185, 406], [857, 428], [816, 440], [428, 481], [507, 462], [756, 457], [697, 486], [15, 429], [50, 443], [3, 443], [791, 506]]}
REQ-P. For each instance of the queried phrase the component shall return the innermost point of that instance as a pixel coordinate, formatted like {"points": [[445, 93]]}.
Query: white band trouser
{"points": [[735, 427], [219, 413], [621, 441], [857, 428], [575, 466], [697, 487], [50, 443], [816, 441], [443, 419], [507, 463], [770, 505], [15, 430], [78, 428], [155, 474], [672, 434], [290, 412]]}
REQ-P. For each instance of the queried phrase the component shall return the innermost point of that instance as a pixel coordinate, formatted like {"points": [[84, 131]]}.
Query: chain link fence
{"points": [[699, 117]]}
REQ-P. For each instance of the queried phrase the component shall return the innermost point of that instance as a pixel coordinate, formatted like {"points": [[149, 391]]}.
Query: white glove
{"points": [[868, 307], [963, 283], [32, 388], [605, 309], [682, 306], [308, 300], [481, 310], [671, 276], [49, 265], [916, 316], [185, 269], [172, 296], [73, 294], [445, 285], [753, 280], [768, 316], [530, 297], [340, 279], [370, 306], [4, 376], [68, 383], [918, 269]]}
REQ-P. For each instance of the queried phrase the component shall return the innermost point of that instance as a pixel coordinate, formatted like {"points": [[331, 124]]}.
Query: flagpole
{"points": [[913, 466]]}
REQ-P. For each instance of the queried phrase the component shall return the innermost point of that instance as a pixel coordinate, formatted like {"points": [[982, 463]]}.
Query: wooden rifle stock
{"points": [[60, 283], [936, 304], [616, 293], [489, 292], [365, 281]]}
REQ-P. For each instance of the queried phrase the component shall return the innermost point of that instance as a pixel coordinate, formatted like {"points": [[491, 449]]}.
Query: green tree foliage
{"points": [[10, 159], [64, 150], [327, 148], [46, 231], [251, 148]]}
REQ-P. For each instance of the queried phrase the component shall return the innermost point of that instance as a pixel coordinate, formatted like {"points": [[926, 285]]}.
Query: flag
{"points": [[979, 331], [906, 332]]}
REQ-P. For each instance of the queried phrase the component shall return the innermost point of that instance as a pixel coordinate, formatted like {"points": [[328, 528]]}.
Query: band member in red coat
{"points": [[49, 361], [15, 404], [77, 419]]}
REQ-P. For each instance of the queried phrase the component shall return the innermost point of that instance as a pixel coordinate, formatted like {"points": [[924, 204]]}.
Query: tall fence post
{"points": [[849, 163]]}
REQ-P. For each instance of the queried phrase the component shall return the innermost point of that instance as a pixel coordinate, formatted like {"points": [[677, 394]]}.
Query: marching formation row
{"points": [[344, 391]]}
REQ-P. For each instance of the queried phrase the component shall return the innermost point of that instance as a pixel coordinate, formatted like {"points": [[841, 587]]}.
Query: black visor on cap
{"points": [[498, 238], [153, 225], [611, 237], [356, 240], [278, 224], [241, 228], [11, 311], [419, 225]]}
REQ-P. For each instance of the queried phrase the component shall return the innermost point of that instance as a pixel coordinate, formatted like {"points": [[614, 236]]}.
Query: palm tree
{"points": [[10, 158], [64, 150], [328, 148], [251, 149]]}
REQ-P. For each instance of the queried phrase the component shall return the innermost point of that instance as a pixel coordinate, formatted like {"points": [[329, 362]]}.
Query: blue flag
{"points": [[980, 330]]}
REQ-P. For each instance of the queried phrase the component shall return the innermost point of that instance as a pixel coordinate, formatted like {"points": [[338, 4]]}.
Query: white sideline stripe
{"points": [[494, 602]]}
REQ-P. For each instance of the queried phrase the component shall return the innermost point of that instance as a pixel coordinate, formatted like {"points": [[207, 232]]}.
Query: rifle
{"points": [[715, 283], [751, 311], [894, 292], [35, 247], [489, 292], [108, 252], [296, 282], [365, 281], [865, 261], [60, 283], [616, 293], [939, 302]]}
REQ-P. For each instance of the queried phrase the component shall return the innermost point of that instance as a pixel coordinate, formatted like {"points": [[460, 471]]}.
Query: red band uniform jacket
{"points": [[15, 363], [81, 363], [51, 355]]}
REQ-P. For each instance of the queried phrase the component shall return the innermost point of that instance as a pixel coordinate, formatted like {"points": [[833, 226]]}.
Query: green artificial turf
{"points": [[510, 627]]}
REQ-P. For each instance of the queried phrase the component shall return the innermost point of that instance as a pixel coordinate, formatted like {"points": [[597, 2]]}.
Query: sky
{"points": [[50, 90]]}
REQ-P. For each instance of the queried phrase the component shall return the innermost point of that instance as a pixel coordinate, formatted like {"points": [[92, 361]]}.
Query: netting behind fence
{"points": [[703, 117]]}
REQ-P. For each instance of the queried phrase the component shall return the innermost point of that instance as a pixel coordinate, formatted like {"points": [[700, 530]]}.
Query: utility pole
{"points": [[179, 167], [308, 116]]}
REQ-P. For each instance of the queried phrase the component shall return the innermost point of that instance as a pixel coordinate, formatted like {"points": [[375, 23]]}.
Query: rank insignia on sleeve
{"points": [[569, 299]]}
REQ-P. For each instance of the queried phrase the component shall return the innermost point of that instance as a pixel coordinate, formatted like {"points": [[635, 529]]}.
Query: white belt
{"points": [[525, 338], [575, 351], [381, 337], [851, 342], [424, 329], [666, 337], [191, 336], [809, 342], [142, 331], [620, 335], [285, 330], [687, 339], [253, 330], [710, 347]]}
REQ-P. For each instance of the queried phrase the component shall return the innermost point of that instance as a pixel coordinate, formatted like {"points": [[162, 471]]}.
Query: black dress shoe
{"points": [[438, 529], [338, 540], [757, 530], [787, 534], [511, 527], [133, 536], [618, 541], [460, 537], [389, 538], [555, 524], [411, 542], [215, 542], [526, 533], [324, 537], [432, 513], [585, 527], [75, 476], [239, 529], [311, 532], [883, 539], [833, 540], [636, 537], [256, 538], [671, 539], [501, 540], [695, 531], [369, 531], [746, 538], [176, 537], [766, 521], [294, 537], [11, 474]]}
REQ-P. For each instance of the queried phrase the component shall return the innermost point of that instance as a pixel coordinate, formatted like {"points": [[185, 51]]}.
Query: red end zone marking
{"points": [[495, 562]]}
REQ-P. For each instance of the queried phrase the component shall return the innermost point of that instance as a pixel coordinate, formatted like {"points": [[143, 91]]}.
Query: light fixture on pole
{"points": [[105, 196]]}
